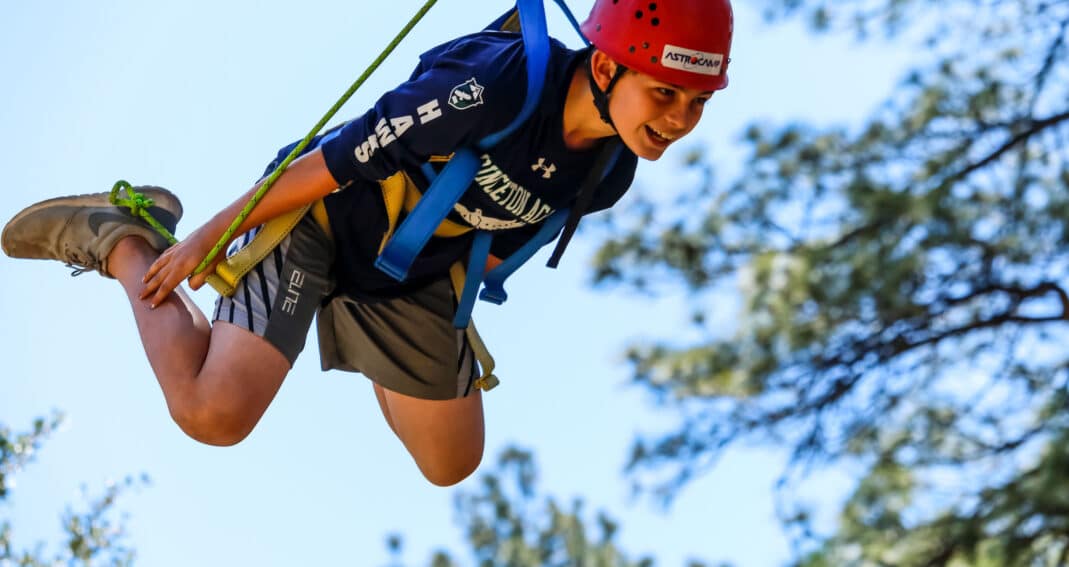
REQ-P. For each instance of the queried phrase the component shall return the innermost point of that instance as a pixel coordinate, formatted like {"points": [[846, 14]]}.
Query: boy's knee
{"points": [[212, 427], [451, 471]]}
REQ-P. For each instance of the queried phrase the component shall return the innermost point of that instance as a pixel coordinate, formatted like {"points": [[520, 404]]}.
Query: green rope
{"points": [[137, 201], [138, 205]]}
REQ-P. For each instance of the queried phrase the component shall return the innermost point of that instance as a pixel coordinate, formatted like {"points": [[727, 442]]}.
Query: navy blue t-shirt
{"points": [[461, 92]]}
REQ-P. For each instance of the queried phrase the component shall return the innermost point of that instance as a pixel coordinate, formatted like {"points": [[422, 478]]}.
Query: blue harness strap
{"points": [[494, 281], [480, 251], [563, 220], [535, 34], [399, 253], [449, 185], [571, 19]]}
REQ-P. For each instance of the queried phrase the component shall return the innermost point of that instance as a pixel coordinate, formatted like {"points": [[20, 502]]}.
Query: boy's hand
{"points": [[176, 264]]}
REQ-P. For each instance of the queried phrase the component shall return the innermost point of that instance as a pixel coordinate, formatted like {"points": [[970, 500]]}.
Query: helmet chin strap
{"points": [[601, 97]]}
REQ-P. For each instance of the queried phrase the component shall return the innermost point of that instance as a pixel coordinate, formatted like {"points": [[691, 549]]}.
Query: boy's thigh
{"points": [[406, 345], [241, 374], [277, 300], [444, 437]]}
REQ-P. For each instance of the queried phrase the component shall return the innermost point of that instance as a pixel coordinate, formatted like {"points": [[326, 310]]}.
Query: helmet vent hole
{"points": [[599, 27], [653, 59], [638, 14], [656, 21], [653, 6], [645, 45], [631, 49]]}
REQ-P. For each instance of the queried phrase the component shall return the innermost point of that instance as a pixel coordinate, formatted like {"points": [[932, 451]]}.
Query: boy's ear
{"points": [[602, 68]]}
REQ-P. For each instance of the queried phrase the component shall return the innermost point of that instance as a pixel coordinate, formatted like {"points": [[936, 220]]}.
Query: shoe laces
{"points": [[78, 270], [80, 264]]}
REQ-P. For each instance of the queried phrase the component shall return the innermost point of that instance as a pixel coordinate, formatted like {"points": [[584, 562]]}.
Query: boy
{"points": [[652, 67]]}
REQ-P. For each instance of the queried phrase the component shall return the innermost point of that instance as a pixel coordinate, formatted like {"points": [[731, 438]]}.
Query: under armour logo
{"points": [[547, 170]]}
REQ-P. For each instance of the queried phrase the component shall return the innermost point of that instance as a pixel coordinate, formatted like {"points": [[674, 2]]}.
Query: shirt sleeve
{"points": [[459, 93]]}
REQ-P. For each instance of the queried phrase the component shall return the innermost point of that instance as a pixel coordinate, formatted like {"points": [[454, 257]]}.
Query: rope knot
{"points": [[138, 203]]}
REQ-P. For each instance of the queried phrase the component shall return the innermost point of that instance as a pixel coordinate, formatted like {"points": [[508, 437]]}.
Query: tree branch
{"points": [[1048, 62], [1018, 293], [1034, 128]]}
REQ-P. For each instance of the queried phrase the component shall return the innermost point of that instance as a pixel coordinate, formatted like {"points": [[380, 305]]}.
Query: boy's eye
{"points": [[666, 91]]}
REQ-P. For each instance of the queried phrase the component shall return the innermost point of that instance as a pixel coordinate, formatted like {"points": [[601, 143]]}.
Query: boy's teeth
{"points": [[659, 133]]}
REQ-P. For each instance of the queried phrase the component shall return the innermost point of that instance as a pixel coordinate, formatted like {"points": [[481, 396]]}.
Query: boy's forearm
{"points": [[305, 181]]}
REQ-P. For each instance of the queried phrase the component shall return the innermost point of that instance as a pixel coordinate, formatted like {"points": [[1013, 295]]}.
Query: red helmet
{"points": [[682, 42]]}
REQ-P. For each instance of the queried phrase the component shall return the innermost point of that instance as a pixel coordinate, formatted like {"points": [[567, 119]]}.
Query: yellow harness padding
{"points": [[230, 271], [398, 193]]}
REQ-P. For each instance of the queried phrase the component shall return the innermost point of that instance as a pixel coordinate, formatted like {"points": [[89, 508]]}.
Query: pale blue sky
{"points": [[197, 96]]}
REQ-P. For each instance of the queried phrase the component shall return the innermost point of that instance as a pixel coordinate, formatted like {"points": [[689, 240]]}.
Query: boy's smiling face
{"points": [[649, 114]]}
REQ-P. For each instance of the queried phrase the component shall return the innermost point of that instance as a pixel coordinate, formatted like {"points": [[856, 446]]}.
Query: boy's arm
{"points": [[305, 181], [418, 119]]}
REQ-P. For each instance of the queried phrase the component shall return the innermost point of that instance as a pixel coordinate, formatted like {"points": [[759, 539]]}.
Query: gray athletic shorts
{"points": [[407, 344]]}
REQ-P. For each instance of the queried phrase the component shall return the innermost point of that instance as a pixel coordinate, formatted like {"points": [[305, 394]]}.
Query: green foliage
{"points": [[508, 523], [17, 450], [92, 536], [901, 291]]}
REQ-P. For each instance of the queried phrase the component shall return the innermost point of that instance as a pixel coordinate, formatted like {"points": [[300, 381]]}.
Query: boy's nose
{"points": [[678, 116]]}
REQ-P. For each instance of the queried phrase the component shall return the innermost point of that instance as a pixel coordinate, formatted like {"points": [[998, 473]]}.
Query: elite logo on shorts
{"points": [[293, 292], [466, 95], [691, 60]]}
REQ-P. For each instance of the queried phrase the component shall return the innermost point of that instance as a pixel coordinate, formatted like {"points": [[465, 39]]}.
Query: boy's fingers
{"points": [[155, 267], [150, 286], [159, 264], [196, 281], [161, 294]]}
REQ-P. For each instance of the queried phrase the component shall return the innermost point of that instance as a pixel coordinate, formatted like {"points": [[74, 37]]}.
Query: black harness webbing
{"points": [[602, 166]]}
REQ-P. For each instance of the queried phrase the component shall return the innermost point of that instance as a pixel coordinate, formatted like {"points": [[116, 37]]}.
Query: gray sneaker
{"points": [[82, 230]]}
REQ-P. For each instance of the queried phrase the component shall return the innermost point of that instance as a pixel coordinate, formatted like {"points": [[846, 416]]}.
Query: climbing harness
{"points": [[426, 213], [448, 185]]}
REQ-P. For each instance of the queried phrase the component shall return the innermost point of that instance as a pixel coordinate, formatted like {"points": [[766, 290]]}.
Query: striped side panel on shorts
{"points": [[466, 364], [258, 288]]}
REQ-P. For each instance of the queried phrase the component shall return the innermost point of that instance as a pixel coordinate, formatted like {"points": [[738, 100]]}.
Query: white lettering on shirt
{"points": [[429, 111], [508, 194], [367, 149], [401, 124], [385, 135]]}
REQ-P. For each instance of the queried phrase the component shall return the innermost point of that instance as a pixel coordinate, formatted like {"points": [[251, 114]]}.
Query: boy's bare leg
{"points": [[217, 381], [445, 437]]}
